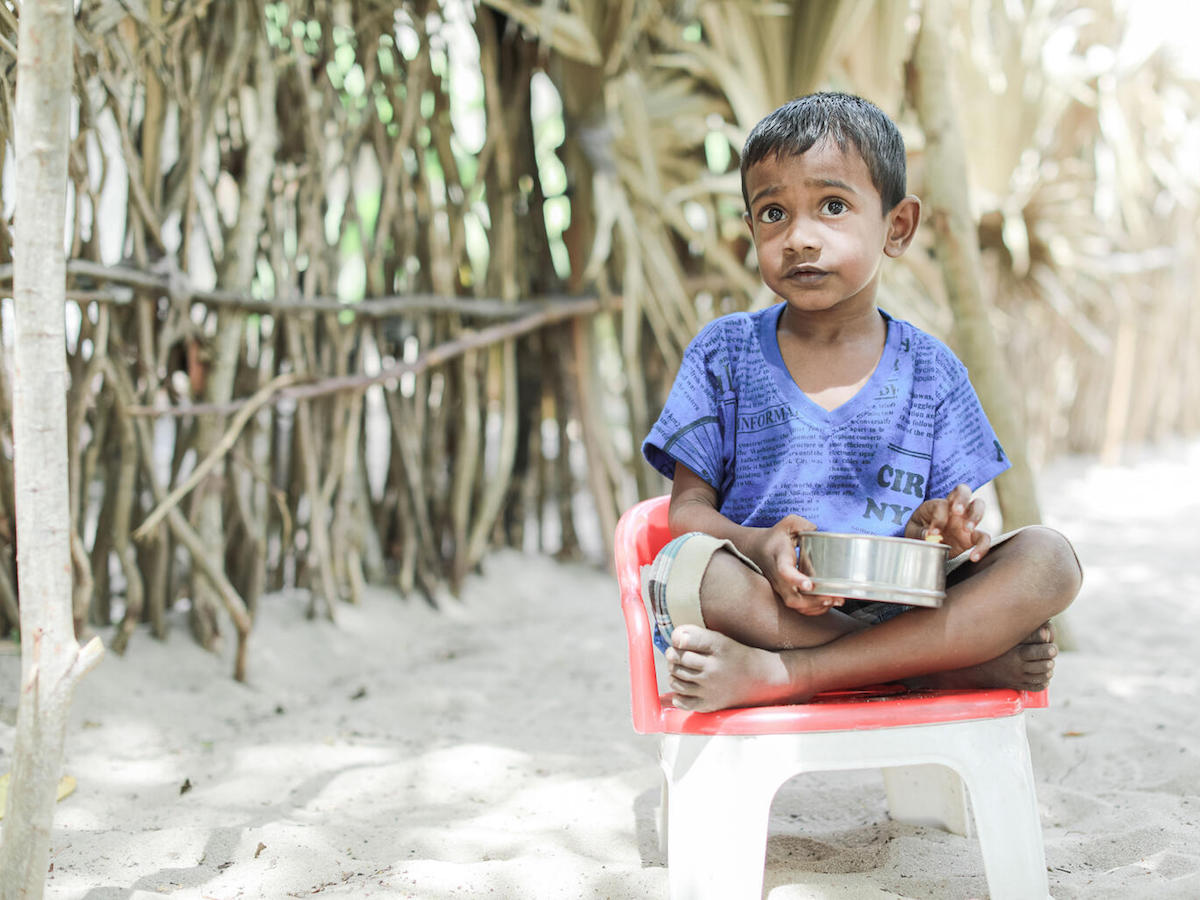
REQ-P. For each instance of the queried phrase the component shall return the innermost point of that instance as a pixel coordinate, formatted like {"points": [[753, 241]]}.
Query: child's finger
{"points": [[975, 512], [794, 583], [937, 516], [959, 499], [823, 604], [828, 602], [789, 576], [795, 594], [812, 604], [794, 526], [983, 542]]}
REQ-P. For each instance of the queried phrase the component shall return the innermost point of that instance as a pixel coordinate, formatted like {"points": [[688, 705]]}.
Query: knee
{"points": [[727, 578], [728, 588], [1052, 561]]}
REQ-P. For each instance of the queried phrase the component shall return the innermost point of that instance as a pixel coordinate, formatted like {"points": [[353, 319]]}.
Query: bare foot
{"points": [[1028, 666], [710, 671]]}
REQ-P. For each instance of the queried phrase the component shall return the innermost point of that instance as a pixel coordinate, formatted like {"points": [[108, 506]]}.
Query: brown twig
{"points": [[184, 532], [223, 445]]}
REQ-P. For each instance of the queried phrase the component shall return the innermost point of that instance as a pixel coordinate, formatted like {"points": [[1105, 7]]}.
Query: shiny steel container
{"points": [[870, 567]]}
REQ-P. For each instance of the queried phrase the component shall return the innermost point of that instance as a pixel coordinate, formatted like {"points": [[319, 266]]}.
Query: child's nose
{"points": [[803, 235]]}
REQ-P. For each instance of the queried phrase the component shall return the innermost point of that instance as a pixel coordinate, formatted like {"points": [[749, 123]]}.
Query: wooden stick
{"points": [[10, 615], [549, 315], [466, 462], [184, 532], [323, 593], [552, 313], [135, 593], [587, 408], [371, 307], [227, 440]]}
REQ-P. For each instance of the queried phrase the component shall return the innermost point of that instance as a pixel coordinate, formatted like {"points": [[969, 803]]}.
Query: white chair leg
{"points": [[717, 821], [1006, 813], [927, 795]]}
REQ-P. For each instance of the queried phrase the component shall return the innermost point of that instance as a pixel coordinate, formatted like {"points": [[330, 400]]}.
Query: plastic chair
{"points": [[721, 770]]}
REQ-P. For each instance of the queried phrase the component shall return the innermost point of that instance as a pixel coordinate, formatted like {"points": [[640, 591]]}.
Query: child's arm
{"points": [[773, 550], [954, 520]]}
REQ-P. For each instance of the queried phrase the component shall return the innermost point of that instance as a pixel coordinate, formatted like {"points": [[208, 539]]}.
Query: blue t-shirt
{"points": [[737, 419]]}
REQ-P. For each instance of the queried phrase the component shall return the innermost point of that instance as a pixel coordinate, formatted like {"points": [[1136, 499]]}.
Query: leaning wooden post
{"points": [[52, 661], [948, 210]]}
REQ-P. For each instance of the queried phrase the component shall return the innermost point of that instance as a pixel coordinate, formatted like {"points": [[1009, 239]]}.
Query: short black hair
{"points": [[845, 119]]}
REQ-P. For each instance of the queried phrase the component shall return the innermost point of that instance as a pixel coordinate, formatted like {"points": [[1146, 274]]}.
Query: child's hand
{"points": [[954, 520], [774, 551]]}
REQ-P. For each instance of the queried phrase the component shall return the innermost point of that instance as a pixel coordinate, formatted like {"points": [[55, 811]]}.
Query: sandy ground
{"points": [[487, 751]]}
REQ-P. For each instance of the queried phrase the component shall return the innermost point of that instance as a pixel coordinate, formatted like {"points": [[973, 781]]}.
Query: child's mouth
{"points": [[805, 274]]}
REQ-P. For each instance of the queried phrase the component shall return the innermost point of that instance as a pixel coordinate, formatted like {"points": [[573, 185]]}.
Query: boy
{"points": [[823, 412]]}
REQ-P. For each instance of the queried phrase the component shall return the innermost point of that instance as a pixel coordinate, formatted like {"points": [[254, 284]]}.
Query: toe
{"points": [[1039, 679], [689, 703], [697, 662], [1032, 652], [681, 687], [1037, 664], [684, 673], [694, 638], [1044, 634]]}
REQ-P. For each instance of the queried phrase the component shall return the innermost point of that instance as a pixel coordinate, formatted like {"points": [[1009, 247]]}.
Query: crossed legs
{"points": [[992, 631]]}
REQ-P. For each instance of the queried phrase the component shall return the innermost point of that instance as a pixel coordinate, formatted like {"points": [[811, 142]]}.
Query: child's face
{"points": [[819, 228]]}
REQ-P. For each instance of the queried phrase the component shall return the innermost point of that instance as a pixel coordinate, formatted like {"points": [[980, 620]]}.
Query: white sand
{"points": [[488, 753]]}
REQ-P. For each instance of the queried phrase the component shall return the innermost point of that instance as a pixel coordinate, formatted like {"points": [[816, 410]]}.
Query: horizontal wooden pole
{"points": [[549, 314], [372, 307]]}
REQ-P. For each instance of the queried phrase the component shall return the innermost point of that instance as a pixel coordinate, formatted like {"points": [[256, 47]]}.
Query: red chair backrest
{"points": [[641, 533]]}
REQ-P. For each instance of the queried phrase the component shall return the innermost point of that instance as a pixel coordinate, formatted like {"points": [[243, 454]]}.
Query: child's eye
{"points": [[834, 206], [770, 215]]}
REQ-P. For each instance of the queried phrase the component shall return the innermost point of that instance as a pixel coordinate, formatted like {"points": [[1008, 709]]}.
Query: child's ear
{"points": [[902, 225], [749, 224]]}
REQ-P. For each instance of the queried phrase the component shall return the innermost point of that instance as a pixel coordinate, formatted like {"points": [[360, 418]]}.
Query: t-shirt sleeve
{"points": [[965, 447], [690, 428]]}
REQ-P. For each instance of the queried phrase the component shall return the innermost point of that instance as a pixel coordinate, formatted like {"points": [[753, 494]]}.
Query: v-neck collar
{"points": [[808, 408]]}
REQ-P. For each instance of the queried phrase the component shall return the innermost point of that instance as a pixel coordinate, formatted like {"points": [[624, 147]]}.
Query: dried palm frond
{"points": [[1069, 153]]}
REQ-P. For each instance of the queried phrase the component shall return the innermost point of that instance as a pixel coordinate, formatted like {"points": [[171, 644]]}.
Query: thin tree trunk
{"points": [[126, 553], [52, 661], [948, 211], [231, 325]]}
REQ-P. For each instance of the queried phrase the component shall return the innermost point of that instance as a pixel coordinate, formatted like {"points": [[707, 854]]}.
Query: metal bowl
{"points": [[872, 567]]}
